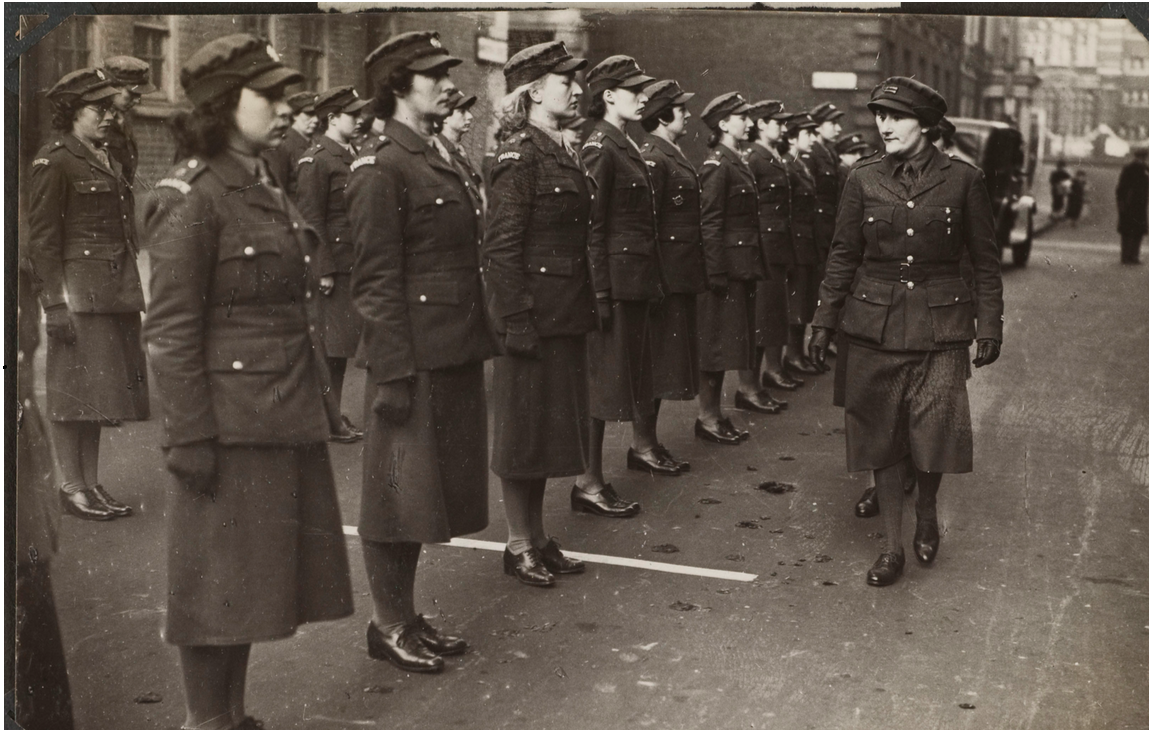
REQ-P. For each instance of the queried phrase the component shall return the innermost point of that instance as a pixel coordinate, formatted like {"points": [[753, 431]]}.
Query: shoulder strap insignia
{"points": [[366, 160], [40, 161], [187, 171], [510, 155], [306, 159], [176, 183]]}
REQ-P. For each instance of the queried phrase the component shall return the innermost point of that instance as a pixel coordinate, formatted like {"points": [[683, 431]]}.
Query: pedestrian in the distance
{"points": [[730, 226], [283, 158], [627, 280], [82, 260], [130, 76], [1075, 207], [416, 282], [895, 287], [540, 298], [1132, 205], [321, 177], [1057, 181], [255, 543]]}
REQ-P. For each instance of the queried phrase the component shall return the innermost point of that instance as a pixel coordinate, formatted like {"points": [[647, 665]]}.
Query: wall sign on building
{"points": [[491, 50], [833, 80]]}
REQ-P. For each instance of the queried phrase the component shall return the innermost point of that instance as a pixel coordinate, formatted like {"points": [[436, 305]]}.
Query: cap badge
{"points": [[100, 75], [272, 54], [355, 94], [891, 89], [435, 42]]}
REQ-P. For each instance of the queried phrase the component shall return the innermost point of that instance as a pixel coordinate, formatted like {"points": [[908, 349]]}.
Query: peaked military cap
{"points": [[461, 101], [417, 51], [129, 73], [303, 102], [339, 99], [766, 109], [799, 121], [851, 142], [616, 72], [825, 112], [534, 62], [723, 106], [664, 94], [231, 62], [909, 97], [89, 85]]}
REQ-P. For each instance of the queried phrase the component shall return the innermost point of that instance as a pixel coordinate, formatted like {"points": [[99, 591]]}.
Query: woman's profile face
{"points": [[262, 118], [431, 93], [736, 125], [803, 141], [629, 103], [901, 133], [92, 121], [343, 123], [559, 95], [771, 130]]}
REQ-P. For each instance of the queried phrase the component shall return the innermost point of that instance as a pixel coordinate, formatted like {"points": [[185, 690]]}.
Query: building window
{"points": [[312, 41], [521, 38], [72, 46], [150, 44]]}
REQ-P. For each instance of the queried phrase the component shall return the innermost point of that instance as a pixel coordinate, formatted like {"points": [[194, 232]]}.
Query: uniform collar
{"points": [[410, 140], [671, 149], [336, 149], [547, 144], [930, 162], [77, 147]]}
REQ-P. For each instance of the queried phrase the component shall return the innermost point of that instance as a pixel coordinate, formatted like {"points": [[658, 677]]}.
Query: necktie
{"points": [[442, 150]]}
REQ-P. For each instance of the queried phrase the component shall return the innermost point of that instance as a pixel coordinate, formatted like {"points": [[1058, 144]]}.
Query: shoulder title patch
{"points": [[510, 155], [366, 160], [40, 161], [593, 144], [176, 183], [306, 159], [651, 163], [712, 161]]}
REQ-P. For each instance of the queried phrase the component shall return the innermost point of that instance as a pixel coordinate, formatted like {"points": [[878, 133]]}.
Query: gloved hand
{"points": [[393, 401], [818, 345], [521, 339], [604, 313], [987, 351], [194, 464], [59, 324], [718, 286], [327, 284]]}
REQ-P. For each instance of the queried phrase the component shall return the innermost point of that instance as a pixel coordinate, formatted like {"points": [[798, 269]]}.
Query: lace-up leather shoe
{"points": [[684, 466], [116, 507], [718, 434], [85, 505], [738, 432], [756, 403], [437, 641], [869, 504], [401, 647], [557, 562], [605, 502], [528, 567], [653, 463], [926, 541], [887, 569]]}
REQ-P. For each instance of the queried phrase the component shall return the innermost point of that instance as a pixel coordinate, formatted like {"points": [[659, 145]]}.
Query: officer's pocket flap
{"points": [[549, 265], [949, 292], [252, 355], [879, 213], [433, 196], [560, 184], [873, 291], [96, 185], [434, 292], [109, 252], [249, 241]]}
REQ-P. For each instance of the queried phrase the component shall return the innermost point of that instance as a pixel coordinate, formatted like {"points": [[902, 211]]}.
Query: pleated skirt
{"points": [[540, 411]]}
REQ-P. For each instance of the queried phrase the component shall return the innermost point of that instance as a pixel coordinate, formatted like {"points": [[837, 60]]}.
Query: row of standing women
{"points": [[601, 281]]}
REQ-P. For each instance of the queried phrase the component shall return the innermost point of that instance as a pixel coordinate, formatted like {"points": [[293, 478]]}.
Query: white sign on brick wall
{"points": [[833, 80]]}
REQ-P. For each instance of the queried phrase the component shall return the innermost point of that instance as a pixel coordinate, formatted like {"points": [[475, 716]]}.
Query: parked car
{"points": [[998, 148]]}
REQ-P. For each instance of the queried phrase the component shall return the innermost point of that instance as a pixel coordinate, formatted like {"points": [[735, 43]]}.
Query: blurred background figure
{"points": [[130, 76], [1075, 206], [1132, 205], [1058, 185], [283, 158]]}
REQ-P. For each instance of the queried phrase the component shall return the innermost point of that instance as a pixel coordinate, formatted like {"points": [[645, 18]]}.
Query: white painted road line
{"points": [[1043, 244], [627, 562]]}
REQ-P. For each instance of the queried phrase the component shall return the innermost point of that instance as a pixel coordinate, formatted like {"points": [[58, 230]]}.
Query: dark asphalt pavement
{"points": [[1033, 616]]}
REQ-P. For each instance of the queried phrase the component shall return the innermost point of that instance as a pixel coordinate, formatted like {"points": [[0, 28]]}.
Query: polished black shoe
{"points": [[657, 465], [85, 505], [344, 436], [116, 507], [718, 434], [684, 466], [869, 504], [557, 562], [437, 641], [803, 366], [249, 723], [402, 648], [791, 375], [887, 569], [779, 380], [926, 541], [756, 403], [605, 502], [528, 567], [349, 427], [740, 433]]}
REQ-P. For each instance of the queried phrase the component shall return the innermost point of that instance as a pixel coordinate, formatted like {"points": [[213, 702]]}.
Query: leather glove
{"points": [[393, 401], [521, 339], [59, 324], [718, 287], [327, 284], [987, 351], [818, 344], [194, 464], [604, 314]]}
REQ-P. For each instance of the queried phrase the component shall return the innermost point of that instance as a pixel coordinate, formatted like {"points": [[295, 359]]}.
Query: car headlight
{"points": [[1025, 203]]}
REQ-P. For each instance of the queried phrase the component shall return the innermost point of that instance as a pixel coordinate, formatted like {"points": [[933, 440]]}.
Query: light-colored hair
{"points": [[512, 109]]}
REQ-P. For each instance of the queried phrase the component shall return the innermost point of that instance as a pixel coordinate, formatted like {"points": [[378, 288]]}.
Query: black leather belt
{"points": [[903, 271]]}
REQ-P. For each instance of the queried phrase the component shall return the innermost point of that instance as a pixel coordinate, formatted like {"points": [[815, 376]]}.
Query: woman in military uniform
{"points": [[731, 232], [803, 284], [256, 545], [676, 191], [321, 176], [626, 277], [82, 260], [541, 302], [895, 287], [770, 170], [416, 282]]}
